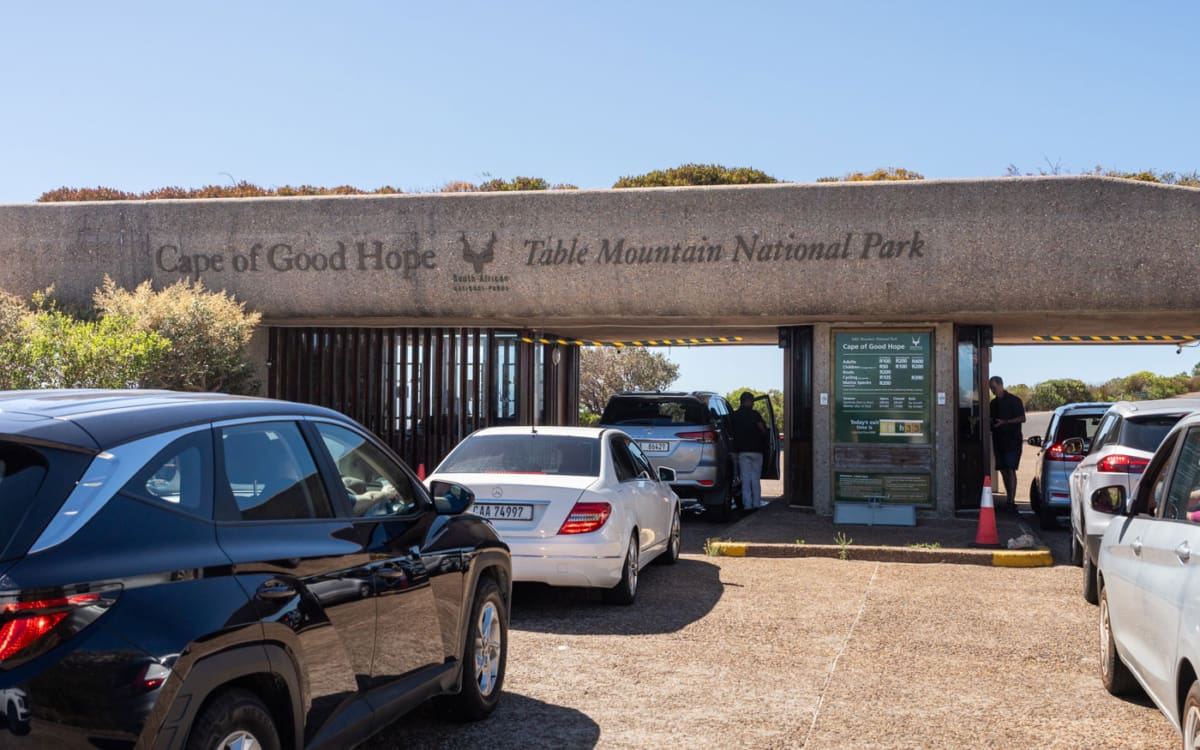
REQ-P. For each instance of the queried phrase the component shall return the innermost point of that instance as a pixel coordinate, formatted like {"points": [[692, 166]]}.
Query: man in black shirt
{"points": [[751, 442], [1008, 413]]}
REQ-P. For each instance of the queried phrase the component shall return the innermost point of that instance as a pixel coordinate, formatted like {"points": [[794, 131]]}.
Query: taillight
{"points": [[705, 436], [586, 517], [1123, 464], [25, 625]]}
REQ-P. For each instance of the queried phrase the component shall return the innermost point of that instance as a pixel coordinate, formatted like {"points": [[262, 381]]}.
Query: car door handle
{"points": [[275, 589], [1183, 552], [1136, 546]]}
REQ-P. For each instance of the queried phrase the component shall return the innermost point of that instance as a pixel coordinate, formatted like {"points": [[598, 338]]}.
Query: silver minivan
{"points": [[1050, 492], [690, 433]]}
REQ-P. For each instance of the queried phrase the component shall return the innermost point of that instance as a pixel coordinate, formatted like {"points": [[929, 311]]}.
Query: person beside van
{"points": [[751, 443]]}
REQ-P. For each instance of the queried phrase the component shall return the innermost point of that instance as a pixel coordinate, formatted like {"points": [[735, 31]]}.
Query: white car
{"points": [[578, 506], [1149, 582], [1121, 447]]}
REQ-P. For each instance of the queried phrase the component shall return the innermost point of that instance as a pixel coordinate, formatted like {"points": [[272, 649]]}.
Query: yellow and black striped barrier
{"points": [[646, 342], [1180, 339]]}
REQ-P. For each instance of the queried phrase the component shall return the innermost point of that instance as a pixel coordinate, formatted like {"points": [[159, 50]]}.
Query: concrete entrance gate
{"points": [[955, 264]]}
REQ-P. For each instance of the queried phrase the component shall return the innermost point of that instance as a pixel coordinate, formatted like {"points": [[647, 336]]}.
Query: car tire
{"points": [[1089, 580], [1189, 721], [13, 717], [484, 657], [718, 504], [1076, 547], [670, 555], [1047, 517], [626, 590], [1115, 676], [234, 718], [1035, 497]]}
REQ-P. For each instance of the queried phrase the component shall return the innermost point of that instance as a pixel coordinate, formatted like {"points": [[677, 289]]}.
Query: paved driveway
{"points": [[805, 653]]}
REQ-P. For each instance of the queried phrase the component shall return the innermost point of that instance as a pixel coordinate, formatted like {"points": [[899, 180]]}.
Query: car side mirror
{"points": [[1035, 441], [451, 498], [1110, 500], [666, 474], [1073, 447]]}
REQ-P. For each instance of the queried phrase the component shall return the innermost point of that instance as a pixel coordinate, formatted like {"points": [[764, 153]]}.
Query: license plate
{"points": [[504, 511], [655, 446]]}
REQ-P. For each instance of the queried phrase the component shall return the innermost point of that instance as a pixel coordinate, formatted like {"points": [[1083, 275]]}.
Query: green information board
{"points": [[883, 387]]}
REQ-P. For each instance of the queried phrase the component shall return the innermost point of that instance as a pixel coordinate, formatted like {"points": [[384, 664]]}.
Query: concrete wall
{"points": [[1029, 255]]}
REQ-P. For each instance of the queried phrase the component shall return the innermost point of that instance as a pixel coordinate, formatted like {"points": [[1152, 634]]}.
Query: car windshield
{"points": [[654, 411], [525, 453], [22, 470], [1145, 433]]}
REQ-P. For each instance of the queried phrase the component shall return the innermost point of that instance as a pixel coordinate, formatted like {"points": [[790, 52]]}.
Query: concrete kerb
{"points": [[1025, 558]]}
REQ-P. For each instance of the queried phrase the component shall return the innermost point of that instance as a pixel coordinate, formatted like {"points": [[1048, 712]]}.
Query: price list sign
{"points": [[883, 387]]}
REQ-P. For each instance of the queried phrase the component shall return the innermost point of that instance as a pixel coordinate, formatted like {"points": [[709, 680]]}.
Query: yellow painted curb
{"points": [[727, 549], [1035, 558]]}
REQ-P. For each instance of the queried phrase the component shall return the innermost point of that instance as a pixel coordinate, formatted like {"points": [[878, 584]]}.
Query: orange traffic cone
{"points": [[421, 476], [986, 535]]}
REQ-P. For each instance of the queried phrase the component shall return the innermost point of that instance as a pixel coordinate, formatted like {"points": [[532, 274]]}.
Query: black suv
{"points": [[690, 433], [206, 571]]}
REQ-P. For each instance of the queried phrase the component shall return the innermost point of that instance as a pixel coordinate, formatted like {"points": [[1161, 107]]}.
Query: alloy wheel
{"points": [[487, 649], [1105, 636], [240, 740], [1191, 728]]}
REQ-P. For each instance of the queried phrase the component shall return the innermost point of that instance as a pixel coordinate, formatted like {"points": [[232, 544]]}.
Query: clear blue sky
{"points": [[143, 95]]}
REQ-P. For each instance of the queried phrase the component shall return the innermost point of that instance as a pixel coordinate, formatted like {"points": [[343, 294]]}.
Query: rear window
{"points": [[525, 454], [22, 470], [1145, 433], [654, 411], [1078, 426]]}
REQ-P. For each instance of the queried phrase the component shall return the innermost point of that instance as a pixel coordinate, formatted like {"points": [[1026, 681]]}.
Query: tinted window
{"points": [[623, 462], [1183, 497], [525, 453], [1106, 430], [21, 472], [271, 472], [1145, 433], [375, 484], [654, 411], [640, 462], [178, 476], [1077, 426]]}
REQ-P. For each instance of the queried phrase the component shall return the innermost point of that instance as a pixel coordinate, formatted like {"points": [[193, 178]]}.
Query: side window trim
{"points": [[109, 471]]}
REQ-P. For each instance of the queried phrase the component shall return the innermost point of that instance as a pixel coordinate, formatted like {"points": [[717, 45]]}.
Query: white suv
{"points": [[1122, 446]]}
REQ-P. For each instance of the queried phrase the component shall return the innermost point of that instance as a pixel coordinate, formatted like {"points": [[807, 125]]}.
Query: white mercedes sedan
{"points": [[578, 506]]}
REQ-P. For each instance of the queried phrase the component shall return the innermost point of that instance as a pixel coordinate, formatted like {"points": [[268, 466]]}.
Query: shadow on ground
{"points": [[518, 721], [579, 611]]}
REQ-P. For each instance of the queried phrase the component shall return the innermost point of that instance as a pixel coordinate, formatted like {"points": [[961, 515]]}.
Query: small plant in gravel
{"points": [[925, 545], [799, 541], [843, 543]]}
